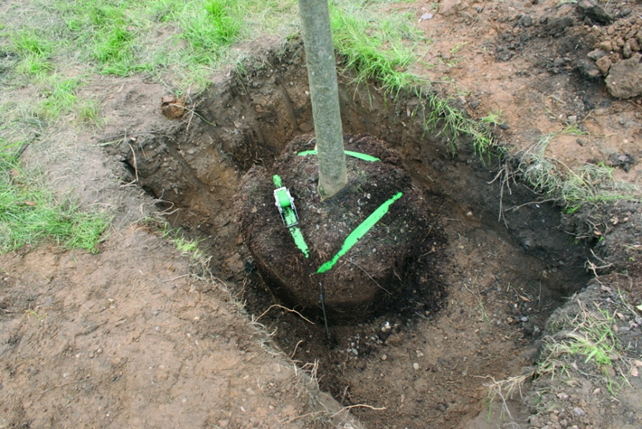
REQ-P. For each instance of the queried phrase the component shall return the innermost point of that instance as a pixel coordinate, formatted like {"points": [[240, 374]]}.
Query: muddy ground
{"points": [[138, 335]]}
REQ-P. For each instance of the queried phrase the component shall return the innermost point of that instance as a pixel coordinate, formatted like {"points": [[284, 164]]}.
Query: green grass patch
{"points": [[60, 98], [33, 64], [29, 213], [376, 47], [34, 51], [29, 42], [209, 27]]}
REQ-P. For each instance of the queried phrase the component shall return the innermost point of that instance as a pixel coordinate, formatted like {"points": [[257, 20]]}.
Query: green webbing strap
{"points": [[290, 217], [359, 232], [362, 156], [299, 240]]}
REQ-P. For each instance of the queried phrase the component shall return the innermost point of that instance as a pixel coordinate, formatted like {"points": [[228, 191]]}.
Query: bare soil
{"points": [[135, 336]]}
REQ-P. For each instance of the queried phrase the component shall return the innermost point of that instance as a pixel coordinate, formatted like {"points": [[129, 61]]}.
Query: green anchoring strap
{"points": [[362, 156], [290, 218], [359, 232]]}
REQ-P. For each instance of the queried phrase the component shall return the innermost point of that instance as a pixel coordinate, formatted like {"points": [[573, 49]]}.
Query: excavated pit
{"points": [[482, 290]]}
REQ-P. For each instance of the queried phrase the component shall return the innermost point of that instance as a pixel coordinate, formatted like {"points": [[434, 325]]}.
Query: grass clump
{"points": [[188, 247], [571, 189], [375, 47], [588, 331], [60, 98], [29, 213], [34, 51], [208, 27]]}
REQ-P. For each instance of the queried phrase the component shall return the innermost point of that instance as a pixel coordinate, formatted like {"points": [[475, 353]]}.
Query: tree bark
{"points": [[324, 93]]}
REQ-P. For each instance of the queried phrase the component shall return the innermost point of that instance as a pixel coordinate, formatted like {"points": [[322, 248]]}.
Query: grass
{"points": [[572, 189], [493, 118], [188, 247], [30, 214], [589, 336], [34, 51], [376, 48], [60, 98]]}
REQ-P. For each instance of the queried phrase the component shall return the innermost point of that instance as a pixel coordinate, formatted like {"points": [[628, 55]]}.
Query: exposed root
{"points": [[286, 309]]}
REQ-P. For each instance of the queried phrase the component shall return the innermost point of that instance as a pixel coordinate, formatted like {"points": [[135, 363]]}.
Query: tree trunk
{"points": [[324, 93]]}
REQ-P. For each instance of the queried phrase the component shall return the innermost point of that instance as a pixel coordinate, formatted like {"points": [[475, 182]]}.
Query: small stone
{"points": [[526, 21], [419, 354], [426, 16], [619, 42], [451, 7], [626, 50], [625, 78], [604, 65], [605, 46], [635, 45], [572, 119], [172, 107], [524, 319], [384, 357], [415, 366], [598, 53], [594, 11], [563, 396], [579, 412], [534, 421]]}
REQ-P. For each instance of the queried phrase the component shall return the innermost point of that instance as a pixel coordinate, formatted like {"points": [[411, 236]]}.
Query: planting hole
{"points": [[475, 290]]}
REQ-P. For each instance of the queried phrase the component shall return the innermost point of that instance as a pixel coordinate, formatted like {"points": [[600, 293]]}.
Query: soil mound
{"points": [[366, 277]]}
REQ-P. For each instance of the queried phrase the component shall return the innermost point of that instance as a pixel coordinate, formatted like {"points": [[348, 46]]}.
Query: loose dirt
{"points": [[135, 336]]}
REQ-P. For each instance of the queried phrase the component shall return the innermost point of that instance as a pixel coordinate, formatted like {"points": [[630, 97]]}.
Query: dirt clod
{"points": [[172, 107], [625, 78]]}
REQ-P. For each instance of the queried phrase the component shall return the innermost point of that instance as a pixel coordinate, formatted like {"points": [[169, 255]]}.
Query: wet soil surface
{"points": [[132, 337]]}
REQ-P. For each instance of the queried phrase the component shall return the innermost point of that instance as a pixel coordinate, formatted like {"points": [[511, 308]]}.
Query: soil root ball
{"points": [[371, 274]]}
